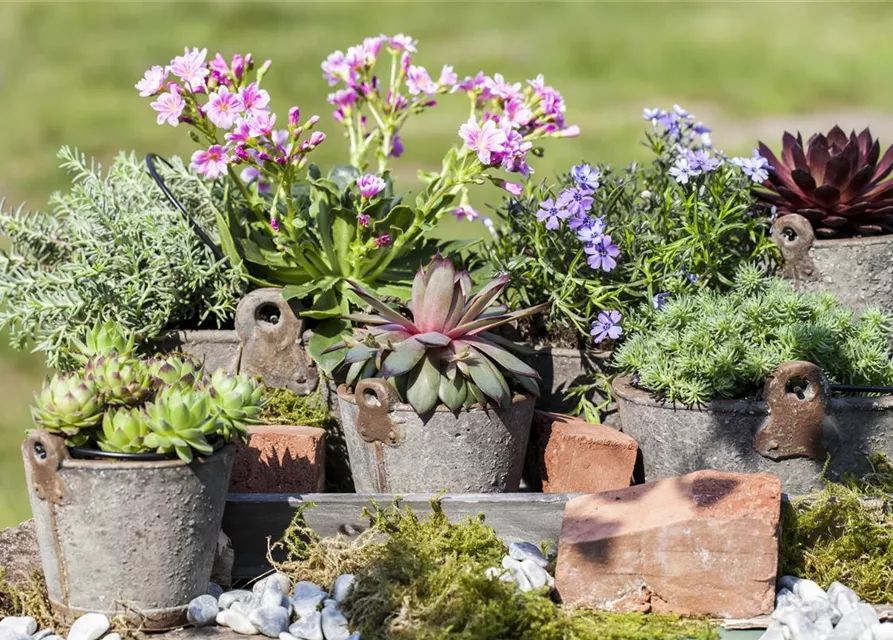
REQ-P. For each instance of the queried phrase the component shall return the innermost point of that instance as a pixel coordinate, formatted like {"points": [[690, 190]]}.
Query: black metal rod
{"points": [[855, 388], [153, 171]]}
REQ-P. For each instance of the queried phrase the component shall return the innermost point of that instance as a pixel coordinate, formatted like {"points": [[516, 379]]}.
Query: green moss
{"points": [[288, 408], [424, 579], [844, 533], [26, 597]]}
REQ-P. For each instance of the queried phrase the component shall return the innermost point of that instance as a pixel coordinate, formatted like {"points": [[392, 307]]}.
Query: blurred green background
{"points": [[749, 70]]}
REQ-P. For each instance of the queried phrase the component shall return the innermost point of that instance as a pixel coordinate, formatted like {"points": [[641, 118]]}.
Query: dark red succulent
{"points": [[838, 183]]}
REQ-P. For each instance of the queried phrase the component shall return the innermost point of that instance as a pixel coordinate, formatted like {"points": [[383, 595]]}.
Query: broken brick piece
{"points": [[280, 459]]}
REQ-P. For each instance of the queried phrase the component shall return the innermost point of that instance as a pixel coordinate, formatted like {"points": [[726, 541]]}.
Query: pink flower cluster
{"points": [[234, 107], [512, 116]]}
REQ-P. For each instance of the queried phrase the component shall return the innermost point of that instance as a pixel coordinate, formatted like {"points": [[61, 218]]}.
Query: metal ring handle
{"points": [[44, 453], [374, 398]]}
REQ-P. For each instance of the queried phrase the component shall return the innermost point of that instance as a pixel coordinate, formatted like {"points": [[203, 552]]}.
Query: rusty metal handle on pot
{"points": [[794, 236], [798, 394], [44, 454], [374, 398]]}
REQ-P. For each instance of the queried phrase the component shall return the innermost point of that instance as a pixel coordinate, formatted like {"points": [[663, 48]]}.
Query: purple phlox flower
{"points": [[363, 219], [682, 169], [261, 124], [491, 227], [660, 300], [471, 83], [373, 46], [448, 77], [606, 326], [700, 128], [635, 380], [551, 213], [211, 163], [343, 98], [484, 141], [253, 99], [370, 185], [578, 222], [383, 240], [591, 230], [396, 148], [702, 160], [602, 253], [773, 213], [513, 188], [274, 225], [418, 81], [706, 141], [152, 82], [402, 42], [688, 275], [585, 176], [223, 107], [682, 113], [240, 133], [190, 67], [652, 115], [756, 167], [577, 200], [500, 88], [517, 113], [169, 107], [335, 68], [280, 138], [466, 212]]}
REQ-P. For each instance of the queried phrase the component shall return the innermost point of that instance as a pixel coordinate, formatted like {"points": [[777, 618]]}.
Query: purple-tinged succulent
{"points": [[446, 353]]}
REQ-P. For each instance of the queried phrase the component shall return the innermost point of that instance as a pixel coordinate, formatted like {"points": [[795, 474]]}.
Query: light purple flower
{"points": [[756, 167], [373, 46], [343, 98], [169, 107], [383, 240], [500, 88], [418, 81], [513, 188], [396, 147], [363, 219], [152, 82], [370, 185], [585, 176], [466, 212], [660, 300], [517, 113], [591, 231], [240, 133], [682, 170], [402, 42], [239, 65], [484, 141], [551, 213], [471, 83], [294, 117], [652, 115], [607, 326], [577, 200], [254, 100], [274, 225], [448, 77], [702, 160], [261, 124], [514, 155], [211, 163], [223, 107], [602, 253], [190, 67], [335, 68]]}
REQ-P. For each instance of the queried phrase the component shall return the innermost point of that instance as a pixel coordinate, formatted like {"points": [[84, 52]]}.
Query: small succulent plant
{"points": [[447, 352], [123, 430], [180, 421], [237, 400], [120, 380], [104, 340], [68, 405], [175, 371], [839, 183]]}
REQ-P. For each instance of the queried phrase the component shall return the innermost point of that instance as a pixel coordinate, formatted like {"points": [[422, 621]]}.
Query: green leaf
{"points": [[400, 217], [405, 356], [453, 390], [303, 290], [359, 353], [326, 334], [329, 304], [433, 339], [344, 230], [344, 176], [489, 380], [423, 385], [503, 358]]}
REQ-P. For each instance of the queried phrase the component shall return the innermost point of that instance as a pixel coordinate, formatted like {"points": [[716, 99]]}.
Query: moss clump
{"points": [[26, 597], [844, 533], [288, 408], [424, 579]]}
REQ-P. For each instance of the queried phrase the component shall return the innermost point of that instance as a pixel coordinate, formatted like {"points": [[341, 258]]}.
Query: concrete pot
{"points": [[393, 449], [562, 369], [268, 341], [125, 538], [789, 434], [859, 271]]}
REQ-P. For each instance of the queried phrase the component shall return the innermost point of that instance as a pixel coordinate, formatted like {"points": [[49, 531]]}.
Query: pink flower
{"points": [[274, 225], [241, 133], [316, 138], [357, 57], [372, 47], [211, 163], [471, 84], [363, 220], [190, 67], [466, 212], [370, 185], [254, 100], [484, 141], [261, 124], [223, 107], [294, 117], [169, 107], [343, 98], [312, 120], [448, 77], [335, 68], [517, 113], [418, 81], [500, 88], [513, 188], [383, 240], [152, 81], [401, 42], [570, 132]]}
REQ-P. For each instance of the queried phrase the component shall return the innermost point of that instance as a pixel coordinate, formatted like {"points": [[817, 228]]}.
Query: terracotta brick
{"points": [[280, 459], [701, 544], [570, 455]]}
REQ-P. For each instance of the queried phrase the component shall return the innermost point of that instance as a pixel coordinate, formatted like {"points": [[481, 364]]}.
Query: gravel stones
{"points": [[309, 627], [91, 626], [203, 611], [270, 621]]}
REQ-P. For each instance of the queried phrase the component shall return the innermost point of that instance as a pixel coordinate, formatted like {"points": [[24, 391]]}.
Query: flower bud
{"points": [[312, 121], [316, 138], [294, 116]]}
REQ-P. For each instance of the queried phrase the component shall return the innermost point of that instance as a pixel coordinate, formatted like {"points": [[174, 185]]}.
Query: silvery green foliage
{"points": [[112, 250], [706, 345]]}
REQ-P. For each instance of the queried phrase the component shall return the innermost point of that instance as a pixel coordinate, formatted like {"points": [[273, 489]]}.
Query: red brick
{"points": [[280, 459], [701, 544], [575, 456]]}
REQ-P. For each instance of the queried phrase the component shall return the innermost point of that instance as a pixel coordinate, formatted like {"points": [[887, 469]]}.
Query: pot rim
{"points": [[568, 352], [85, 453], [624, 390], [885, 238], [123, 464], [517, 399]]}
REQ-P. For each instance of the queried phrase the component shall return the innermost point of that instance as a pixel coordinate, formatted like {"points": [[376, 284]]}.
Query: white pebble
{"points": [[343, 586], [329, 602], [522, 551], [214, 589], [25, 625], [843, 597], [91, 626], [202, 611], [113, 636], [774, 632], [538, 576], [8, 633], [237, 595], [307, 589], [309, 627], [303, 606], [287, 636], [354, 636], [281, 580], [882, 631], [334, 624], [244, 608], [221, 618], [43, 633], [517, 573], [809, 590], [237, 622], [270, 621]]}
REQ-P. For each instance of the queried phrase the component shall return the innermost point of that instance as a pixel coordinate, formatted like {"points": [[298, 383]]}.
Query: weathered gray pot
{"points": [[859, 271], [789, 434], [268, 341], [393, 449], [563, 368], [123, 538]]}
